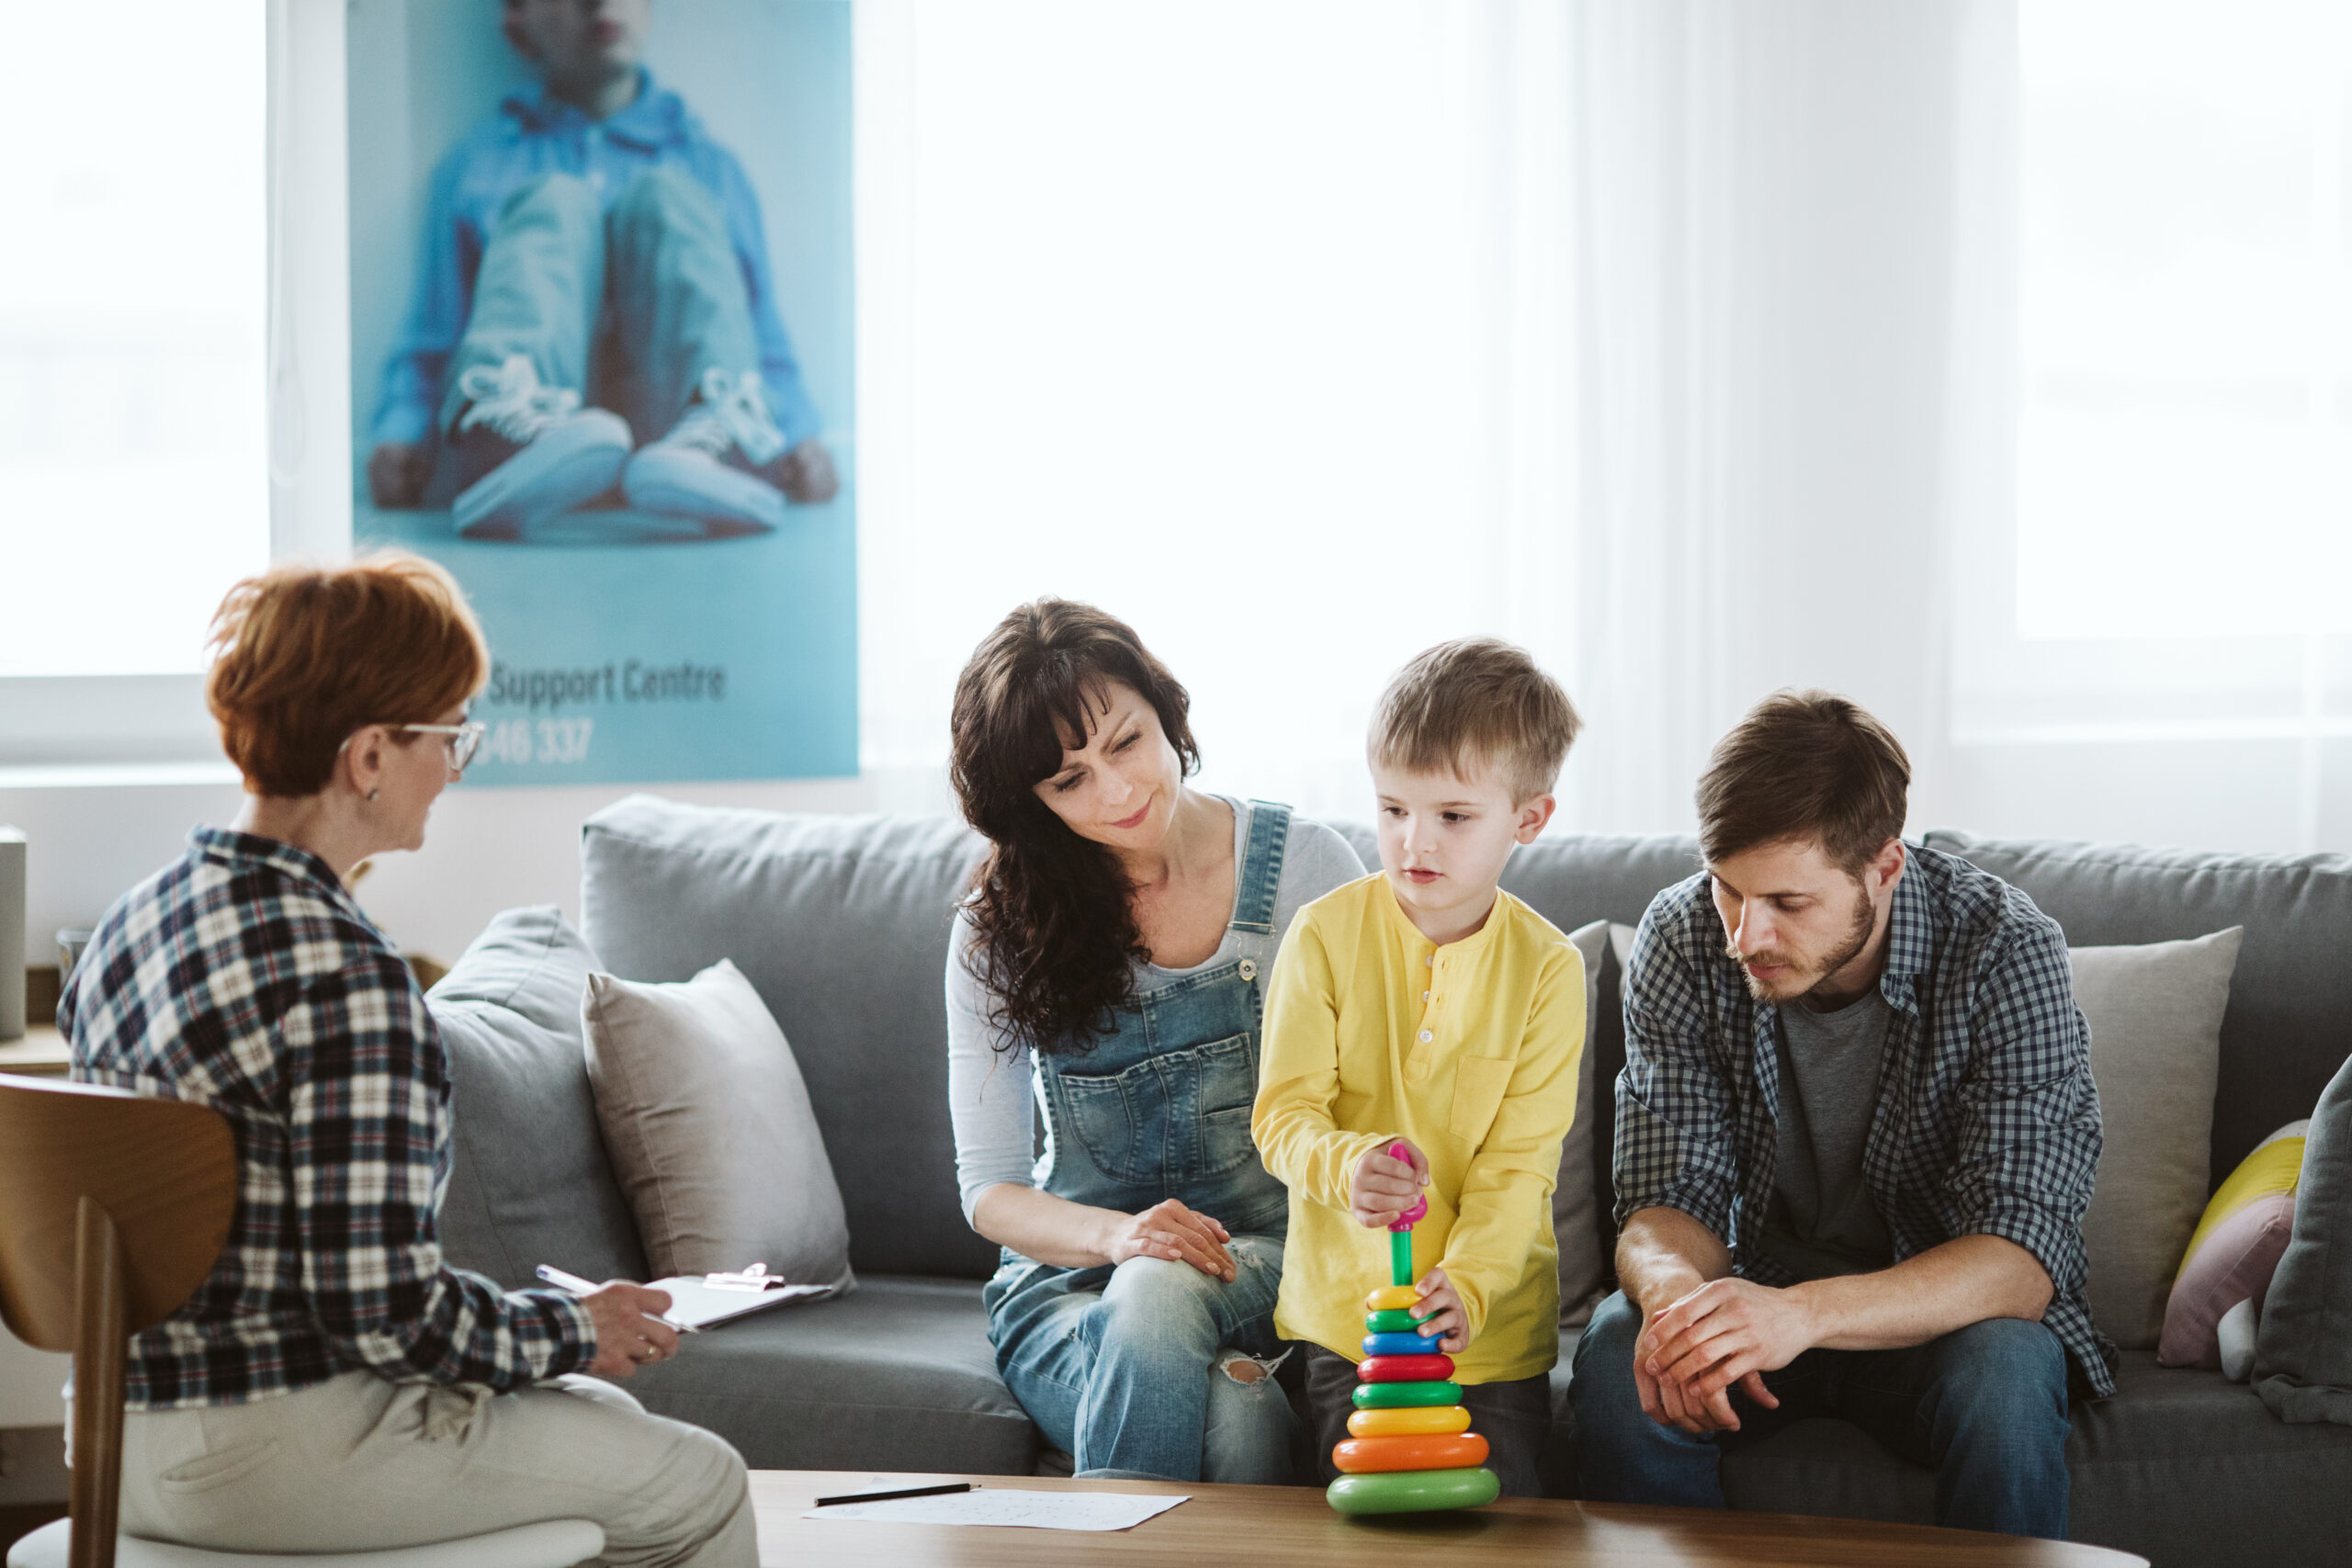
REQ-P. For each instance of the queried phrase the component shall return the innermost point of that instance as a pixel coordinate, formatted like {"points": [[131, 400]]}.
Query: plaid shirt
{"points": [[244, 977], [1987, 1121]]}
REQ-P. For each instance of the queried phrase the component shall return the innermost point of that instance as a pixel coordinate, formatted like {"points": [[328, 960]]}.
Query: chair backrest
{"points": [[113, 1208]]}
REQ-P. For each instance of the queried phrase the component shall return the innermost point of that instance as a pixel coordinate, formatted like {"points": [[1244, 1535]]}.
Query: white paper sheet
{"points": [[1011, 1506], [696, 1304]]}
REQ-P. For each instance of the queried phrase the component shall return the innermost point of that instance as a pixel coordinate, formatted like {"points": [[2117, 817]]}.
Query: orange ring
{"points": [[1370, 1456]]}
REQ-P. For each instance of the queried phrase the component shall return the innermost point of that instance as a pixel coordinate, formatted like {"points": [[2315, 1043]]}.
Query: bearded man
{"points": [[1856, 1134]]}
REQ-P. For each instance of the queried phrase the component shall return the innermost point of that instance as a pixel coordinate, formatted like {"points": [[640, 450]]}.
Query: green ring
{"points": [[1405, 1396], [1414, 1491], [1395, 1321]]}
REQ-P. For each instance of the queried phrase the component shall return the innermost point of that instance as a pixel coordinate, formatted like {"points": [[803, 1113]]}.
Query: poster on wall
{"points": [[601, 369]]}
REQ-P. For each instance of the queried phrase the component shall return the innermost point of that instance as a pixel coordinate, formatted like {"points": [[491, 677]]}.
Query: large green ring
{"points": [[1401, 1396], [1414, 1491]]}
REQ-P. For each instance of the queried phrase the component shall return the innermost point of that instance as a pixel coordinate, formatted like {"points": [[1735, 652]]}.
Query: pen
{"points": [[580, 1287], [889, 1496]]}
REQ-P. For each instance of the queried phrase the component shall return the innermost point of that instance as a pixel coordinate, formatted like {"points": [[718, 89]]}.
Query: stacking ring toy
{"points": [[1391, 1396], [1453, 1451], [1414, 1491], [1404, 1368], [1409, 1421], [1409, 1448], [1398, 1344]]}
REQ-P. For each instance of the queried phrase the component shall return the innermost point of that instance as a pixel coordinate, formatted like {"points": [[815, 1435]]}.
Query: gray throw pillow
{"points": [[529, 1181], [1580, 1213], [2302, 1352], [2155, 1020], [709, 1120]]}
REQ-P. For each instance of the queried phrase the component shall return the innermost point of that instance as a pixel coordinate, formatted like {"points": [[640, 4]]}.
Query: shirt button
{"points": [[1430, 961], [1249, 968], [1426, 1036], [1425, 995]]}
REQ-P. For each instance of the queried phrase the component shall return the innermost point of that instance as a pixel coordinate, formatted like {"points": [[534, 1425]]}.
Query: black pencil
{"points": [[886, 1496]]}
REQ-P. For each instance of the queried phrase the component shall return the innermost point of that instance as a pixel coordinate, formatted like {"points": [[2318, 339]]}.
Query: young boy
{"points": [[591, 244], [1426, 1007]]}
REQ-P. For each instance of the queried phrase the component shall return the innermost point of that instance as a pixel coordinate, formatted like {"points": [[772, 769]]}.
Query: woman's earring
{"points": [[374, 793]]}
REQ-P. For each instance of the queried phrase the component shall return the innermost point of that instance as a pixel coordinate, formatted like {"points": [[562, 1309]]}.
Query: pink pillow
{"points": [[2234, 1262]]}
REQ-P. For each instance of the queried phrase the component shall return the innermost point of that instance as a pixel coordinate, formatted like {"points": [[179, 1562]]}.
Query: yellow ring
{"points": [[1409, 1421], [1391, 1298]]}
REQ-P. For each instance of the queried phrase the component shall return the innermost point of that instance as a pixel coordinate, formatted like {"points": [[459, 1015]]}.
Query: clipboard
{"points": [[703, 1301]]}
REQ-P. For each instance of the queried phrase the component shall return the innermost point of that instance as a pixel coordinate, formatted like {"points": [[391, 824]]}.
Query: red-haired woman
{"points": [[335, 1386], [1109, 970]]}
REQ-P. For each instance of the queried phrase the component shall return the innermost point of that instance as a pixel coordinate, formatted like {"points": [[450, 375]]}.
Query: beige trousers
{"points": [[359, 1464]]}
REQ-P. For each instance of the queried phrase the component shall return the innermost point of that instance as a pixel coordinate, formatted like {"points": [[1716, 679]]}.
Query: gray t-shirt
{"points": [[1822, 1221], [990, 1090]]}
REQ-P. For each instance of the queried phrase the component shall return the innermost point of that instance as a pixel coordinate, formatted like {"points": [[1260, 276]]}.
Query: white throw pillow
{"points": [[2155, 1018], [708, 1124]]}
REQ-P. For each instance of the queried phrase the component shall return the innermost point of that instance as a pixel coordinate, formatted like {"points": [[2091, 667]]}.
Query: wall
{"points": [[486, 850]]}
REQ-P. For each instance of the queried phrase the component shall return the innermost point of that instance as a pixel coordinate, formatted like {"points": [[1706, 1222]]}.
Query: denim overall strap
{"points": [[1260, 877]]}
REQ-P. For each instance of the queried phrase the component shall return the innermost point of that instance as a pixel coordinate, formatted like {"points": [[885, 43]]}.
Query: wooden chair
{"points": [[113, 1208]]}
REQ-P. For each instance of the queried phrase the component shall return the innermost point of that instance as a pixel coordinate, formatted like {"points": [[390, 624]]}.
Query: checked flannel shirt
{"points": [[244, 976], [1987, 1121]]}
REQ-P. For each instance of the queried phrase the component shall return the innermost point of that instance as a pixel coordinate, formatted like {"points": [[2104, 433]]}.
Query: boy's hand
{"points": [[397, 472], [806, 473], [1383, 1187], [1439, 1309]]}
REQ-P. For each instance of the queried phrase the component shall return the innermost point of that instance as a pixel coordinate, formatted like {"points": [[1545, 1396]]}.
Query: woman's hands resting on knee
{"points": [[1079, 1235], [629, 1330], [1169, 1230]]}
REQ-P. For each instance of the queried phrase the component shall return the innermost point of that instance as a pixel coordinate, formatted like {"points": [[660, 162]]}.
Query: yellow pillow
{"points": [[2275, 1166]]}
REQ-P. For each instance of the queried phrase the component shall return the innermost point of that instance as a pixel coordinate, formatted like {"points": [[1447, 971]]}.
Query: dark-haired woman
{"points": [[1108, 971]]}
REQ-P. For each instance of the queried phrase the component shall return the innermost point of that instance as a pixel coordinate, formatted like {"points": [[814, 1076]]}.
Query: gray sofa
{"points": [[841, 923]]}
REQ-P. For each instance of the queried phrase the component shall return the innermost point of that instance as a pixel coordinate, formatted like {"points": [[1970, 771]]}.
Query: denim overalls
{"points": [[1121, 1367]]}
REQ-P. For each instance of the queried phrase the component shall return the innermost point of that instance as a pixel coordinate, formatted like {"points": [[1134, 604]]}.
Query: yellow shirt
{"points": [[1373, 1032]]}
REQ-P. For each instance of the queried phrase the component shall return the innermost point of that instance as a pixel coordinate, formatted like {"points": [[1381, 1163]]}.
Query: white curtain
{"points": [[1304, 334], [1250, 322], [1785, 366]]}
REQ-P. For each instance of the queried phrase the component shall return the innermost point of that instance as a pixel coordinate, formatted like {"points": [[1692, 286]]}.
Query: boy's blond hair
{"points": [[1475, 702]]}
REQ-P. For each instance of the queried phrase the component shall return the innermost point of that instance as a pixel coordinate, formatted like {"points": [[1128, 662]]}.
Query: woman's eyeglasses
{"points": [[465, 740]]}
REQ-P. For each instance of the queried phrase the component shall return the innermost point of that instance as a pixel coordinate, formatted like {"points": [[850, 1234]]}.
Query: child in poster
{"points": [[595, 269]]}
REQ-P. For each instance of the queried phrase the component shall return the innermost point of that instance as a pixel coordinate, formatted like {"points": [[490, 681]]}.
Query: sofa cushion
{"points": [[897, 1377], [2303, 1359], [708, 1125], [529, 1180], [2155, 1020], [2178, 1466], [2234, 1251], [1580, 1206], [2283, 1035], [840, 923]]}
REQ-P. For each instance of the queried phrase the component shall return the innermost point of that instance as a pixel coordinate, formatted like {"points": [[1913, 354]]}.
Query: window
{"points": [[2186, 448], [133, 478]]}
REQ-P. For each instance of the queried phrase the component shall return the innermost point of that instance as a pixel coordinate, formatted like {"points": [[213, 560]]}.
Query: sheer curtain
{"points": [[1250, 322], [1306, 334], [1790, 370]]}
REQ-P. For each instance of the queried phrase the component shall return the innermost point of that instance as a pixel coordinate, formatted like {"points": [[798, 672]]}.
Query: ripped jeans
{"points": [[1151, 1370]]}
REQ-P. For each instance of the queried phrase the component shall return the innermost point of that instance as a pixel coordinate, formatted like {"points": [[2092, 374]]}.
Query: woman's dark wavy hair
{"points": [[1056, 930]]}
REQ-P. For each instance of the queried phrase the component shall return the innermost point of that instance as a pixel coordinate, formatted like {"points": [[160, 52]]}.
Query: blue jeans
{"points": [[1138, 1366], [1985, 1404], [654, 279]]}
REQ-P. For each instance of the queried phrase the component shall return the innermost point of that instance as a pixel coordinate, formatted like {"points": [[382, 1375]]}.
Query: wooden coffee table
{"points": [[1294, 1527]]}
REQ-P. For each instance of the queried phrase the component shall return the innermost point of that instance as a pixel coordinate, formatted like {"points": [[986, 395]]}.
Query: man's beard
{"points": [[1805, 978]]}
